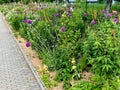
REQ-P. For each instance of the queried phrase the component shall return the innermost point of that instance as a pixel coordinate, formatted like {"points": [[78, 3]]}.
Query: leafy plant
{"points": [[97, 83], [102, 50]]}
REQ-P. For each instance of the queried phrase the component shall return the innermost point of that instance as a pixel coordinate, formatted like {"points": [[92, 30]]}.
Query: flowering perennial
{"points": [[27, 44], [63, 29], [92, 22], [29, 21], [108, 15], [115, 20]]}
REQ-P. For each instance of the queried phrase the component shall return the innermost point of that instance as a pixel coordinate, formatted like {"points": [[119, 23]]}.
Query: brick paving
{"points": [[15, 72]]}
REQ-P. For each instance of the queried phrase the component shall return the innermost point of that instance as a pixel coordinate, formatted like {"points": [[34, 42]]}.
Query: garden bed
{"points": [[70, 48]]}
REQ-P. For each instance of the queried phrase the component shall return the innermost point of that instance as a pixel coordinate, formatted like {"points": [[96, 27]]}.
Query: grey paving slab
{"points": [[15, 72]]}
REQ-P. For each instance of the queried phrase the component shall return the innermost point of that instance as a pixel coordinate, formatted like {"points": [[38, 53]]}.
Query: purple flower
{"points": [[92, 22], [24, 21], [68, 10], [29, 21], [27, 44], [108, 15], [115, 20], [51, 21], [103, 11], [85, 14], [63, 29], [69, 15], [57, 14]]}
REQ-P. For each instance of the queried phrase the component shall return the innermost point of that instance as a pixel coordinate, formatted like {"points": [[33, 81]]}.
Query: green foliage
{"points": [[46, 80], [66, 85], [116, 7], [71, 37], [1, 1], [15, 21], [8, 1], [102, 50], [97, 83], [23, 1]]}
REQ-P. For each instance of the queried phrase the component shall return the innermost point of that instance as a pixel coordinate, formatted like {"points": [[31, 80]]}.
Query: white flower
{"points": [[71, 8]]}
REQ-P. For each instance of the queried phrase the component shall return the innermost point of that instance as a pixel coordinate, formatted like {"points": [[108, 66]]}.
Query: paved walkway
{"points": [[15, 72]]}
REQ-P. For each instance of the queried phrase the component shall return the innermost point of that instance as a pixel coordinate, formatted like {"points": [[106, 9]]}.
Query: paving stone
{"points": [[15, 74]]}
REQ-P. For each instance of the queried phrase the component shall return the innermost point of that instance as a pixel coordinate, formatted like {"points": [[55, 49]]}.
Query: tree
{"points": [[108, 5]]}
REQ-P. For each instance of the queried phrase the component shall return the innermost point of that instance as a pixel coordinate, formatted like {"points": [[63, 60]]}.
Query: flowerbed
{"points": [[70, 41]]}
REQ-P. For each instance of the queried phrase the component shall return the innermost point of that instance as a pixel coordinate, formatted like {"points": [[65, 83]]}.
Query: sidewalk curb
{"points": [[38, 79]]}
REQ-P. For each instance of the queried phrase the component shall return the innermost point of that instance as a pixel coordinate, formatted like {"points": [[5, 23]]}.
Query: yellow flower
{"points": [[45, 67], [73, 62], [73, 67], [73, 59]]}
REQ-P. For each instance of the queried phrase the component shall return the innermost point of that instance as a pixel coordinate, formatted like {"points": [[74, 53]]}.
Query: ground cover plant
{"points": [[70, 41]]}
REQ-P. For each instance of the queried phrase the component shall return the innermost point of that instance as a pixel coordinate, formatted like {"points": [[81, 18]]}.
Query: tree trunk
{"points": [[108, 5]]}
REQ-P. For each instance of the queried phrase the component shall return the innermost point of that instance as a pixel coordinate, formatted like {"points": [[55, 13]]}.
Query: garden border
{"points": [[38, 79]]}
